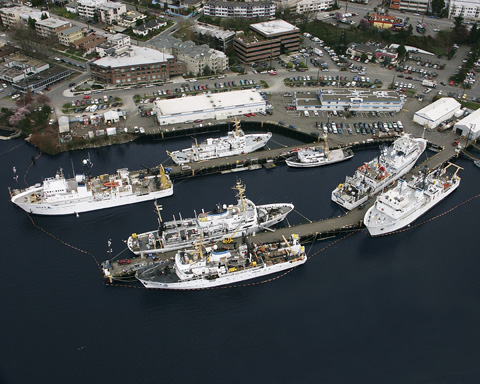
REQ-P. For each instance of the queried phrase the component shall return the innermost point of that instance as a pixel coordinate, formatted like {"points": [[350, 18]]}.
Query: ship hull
{"points": [[395, 225], [295, 163], [231, 278], [246, 229], [87, 204], [340, 201]]}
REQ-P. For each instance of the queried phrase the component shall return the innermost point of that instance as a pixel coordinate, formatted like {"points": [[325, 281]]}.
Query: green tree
{"points": [[437, 6], [401, 51], [44, 16], [207, 71], [31, 22]]}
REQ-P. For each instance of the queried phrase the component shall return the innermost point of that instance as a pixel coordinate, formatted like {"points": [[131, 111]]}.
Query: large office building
{"points": [[239, 9], [136, 65], [468, 9], [348, 100], [217, 106], [432, 115], [266, 41]]}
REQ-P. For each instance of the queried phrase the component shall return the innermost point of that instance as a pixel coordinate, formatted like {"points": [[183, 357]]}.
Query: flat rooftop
{"points": [[366, 96], [208, 102], [274, 27], [141, 55]]}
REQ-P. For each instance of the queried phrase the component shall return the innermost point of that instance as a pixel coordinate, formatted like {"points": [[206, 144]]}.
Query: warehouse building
{"points": [[469, 126], [432, 115], [216, 106], [348, 100]]}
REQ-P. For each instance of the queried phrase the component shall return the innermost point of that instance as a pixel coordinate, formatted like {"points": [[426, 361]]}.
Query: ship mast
{"points": [[325, 140], [240, 195], [236, 123]]}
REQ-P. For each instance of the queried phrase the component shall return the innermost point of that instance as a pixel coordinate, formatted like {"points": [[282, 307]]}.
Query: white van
{"points": [[306, 114]]}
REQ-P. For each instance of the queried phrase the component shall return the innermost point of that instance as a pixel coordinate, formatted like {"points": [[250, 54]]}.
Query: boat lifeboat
{"points": [[111, 184]]}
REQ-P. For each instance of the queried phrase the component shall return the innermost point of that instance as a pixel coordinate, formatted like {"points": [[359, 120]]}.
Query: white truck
{"points": [[318, 51], [429, 83]]}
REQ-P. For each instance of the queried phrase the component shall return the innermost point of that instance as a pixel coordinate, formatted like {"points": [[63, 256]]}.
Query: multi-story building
{"points": [[267, 41], [420, 6], [129, 19], [69, 35], [110, 11], [304, 6], [468, 9], [195, 57], [117, 44], [19, 15], [215, 37], [239, 9], [347, 100], [49, 28], [136, 65]]}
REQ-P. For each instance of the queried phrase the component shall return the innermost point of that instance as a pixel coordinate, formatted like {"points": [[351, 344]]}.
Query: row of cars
{"points": [[360, 128]]}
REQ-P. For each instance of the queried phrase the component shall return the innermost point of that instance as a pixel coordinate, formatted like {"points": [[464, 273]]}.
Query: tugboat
{"points": [[316, 156]]}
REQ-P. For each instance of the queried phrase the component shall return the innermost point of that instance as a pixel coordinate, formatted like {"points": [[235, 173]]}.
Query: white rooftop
{"points": [[134, 55], [472, 121], [439, 108], [52, 23], [274, 27], [207, 102]]}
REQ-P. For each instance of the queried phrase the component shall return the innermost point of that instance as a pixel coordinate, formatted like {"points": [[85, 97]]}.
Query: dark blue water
{"points": [[397, 309]]}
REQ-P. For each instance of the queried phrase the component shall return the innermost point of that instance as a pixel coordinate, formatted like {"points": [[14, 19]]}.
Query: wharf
{"points": [[308, 232]]}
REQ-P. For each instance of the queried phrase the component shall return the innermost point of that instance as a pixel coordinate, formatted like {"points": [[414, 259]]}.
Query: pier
{"points": [[308, 232]]}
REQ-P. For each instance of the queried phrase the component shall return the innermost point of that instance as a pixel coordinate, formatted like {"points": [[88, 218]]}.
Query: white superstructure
{"points": [[405, 203], [235, 143], [223, 223], [393, 162], [61, 196], [316, 156], [192, 269]]}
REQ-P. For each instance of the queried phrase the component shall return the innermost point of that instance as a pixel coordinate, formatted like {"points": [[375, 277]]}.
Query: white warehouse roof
{"points": [[214, 101], [471, 121], [439, 109]]}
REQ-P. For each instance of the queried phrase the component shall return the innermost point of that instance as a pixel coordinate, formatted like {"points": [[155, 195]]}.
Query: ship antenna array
{"points": [[241, 189]]}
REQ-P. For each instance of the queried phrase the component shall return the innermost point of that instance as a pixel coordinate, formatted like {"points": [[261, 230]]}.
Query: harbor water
{"points": [[396, 309]]}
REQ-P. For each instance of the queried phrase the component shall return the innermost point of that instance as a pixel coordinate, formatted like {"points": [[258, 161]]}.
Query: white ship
{"points": [[223, 223], [61, 196], [400, 206], [316, 156], [393, 162], [235, 143], [192, 269]]}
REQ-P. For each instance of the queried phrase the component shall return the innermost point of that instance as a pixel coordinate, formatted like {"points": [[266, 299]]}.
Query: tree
{"points": [[364, 24], [44, 16], [401, 51], [31, 23], [139, 22], [206, 70], [437, 6]]}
